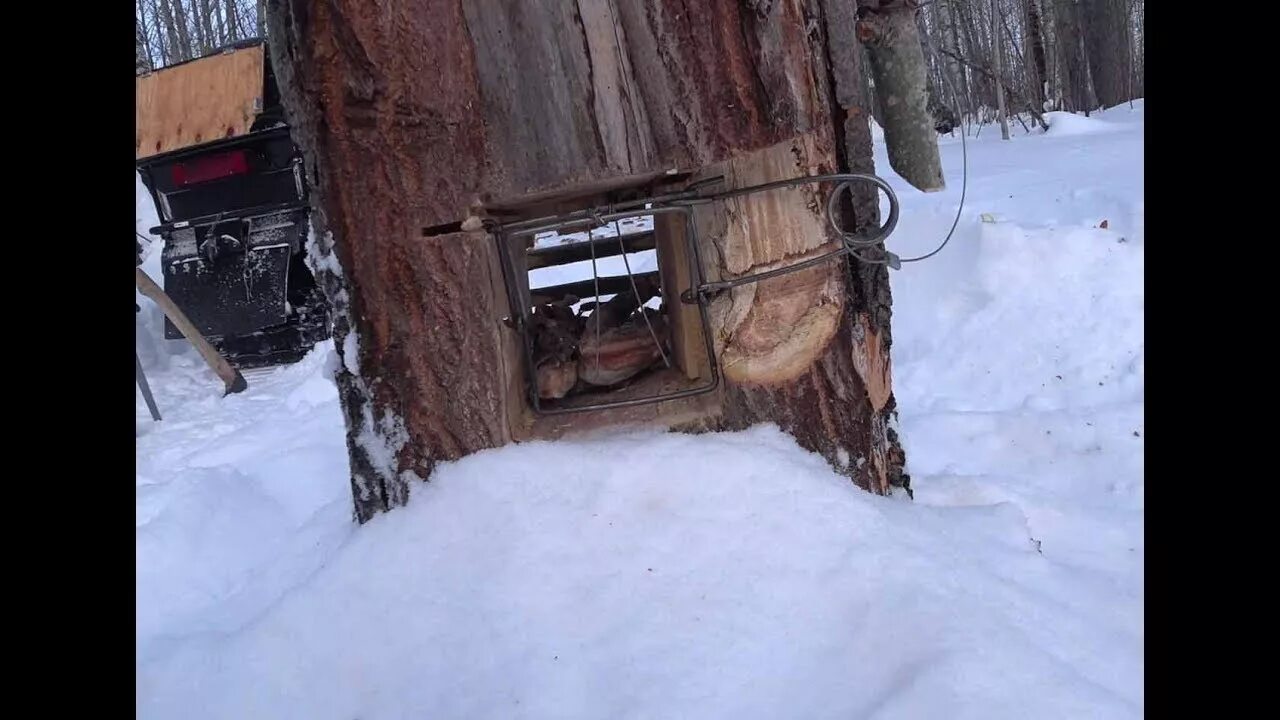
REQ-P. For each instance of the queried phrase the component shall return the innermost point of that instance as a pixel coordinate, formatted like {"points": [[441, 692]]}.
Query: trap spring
{"points": [[699, 292]]}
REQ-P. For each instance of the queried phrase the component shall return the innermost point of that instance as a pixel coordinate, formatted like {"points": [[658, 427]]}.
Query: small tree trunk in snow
{"points": [[410, 115], [1035, 38], [966, 85], [1071, 58], [995, 63], [1107, 40], [888, 30]]}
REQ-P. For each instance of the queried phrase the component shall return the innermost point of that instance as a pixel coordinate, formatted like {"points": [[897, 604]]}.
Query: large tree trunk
{"points": [[1035, 39], [1107, 37], [1072, 63], [414, 116]]}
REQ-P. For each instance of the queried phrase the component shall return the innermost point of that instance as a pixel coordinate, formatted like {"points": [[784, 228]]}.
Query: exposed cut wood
{"points": [[209, 99], [777, 330], [872, 362]]}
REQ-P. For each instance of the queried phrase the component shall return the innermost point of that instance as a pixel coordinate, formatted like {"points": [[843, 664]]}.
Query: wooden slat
{"points": [[576, 196], [579, 251], [609, 285], [197, 102], [687, 341]]}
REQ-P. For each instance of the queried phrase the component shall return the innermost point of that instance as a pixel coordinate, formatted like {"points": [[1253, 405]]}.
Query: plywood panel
{"points": [[197, 102]]}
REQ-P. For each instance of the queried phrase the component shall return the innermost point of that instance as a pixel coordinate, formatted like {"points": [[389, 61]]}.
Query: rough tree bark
{"points": [[413, 114]]}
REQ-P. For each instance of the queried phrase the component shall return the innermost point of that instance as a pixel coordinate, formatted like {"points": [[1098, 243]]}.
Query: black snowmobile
{"points": [[213, 149]]}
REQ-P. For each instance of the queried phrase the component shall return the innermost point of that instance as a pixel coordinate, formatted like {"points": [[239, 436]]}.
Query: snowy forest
{"points": [[640, 358], [1073, 55]]}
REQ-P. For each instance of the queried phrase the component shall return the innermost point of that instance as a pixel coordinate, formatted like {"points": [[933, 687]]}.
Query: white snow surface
{"points": [[647, 575]]}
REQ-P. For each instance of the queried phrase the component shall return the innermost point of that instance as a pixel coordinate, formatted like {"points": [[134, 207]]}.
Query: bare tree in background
{"points": [[141, 57], [183, 28], [1071, 55], [172, 49], [1054, 54], [1107, 40], [205, 23], [1072, 63], [231, 20], [996, 43], [1075, 55], [1035, 41], [172, 31]]}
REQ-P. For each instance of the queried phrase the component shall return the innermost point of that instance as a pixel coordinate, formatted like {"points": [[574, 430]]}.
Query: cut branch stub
{"points": [[898, 69]]}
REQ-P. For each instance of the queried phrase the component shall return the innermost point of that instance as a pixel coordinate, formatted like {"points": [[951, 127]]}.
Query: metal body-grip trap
{"points": [[616, 350]]}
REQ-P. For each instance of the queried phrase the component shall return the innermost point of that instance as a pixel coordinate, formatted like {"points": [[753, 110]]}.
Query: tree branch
{"points": [[1039, 118]]}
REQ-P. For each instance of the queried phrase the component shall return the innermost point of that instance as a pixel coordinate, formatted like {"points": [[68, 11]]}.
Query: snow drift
{"points": [[636, 575]]}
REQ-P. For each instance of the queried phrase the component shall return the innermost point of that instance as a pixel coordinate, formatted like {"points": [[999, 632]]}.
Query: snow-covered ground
{"points": [[649, 575]]}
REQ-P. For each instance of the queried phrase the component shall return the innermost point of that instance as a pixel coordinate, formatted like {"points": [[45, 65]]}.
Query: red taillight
{"points": [[211, 168]]}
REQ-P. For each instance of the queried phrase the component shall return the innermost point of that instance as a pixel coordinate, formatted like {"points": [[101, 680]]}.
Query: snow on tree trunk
{"points": [[411, 115]]}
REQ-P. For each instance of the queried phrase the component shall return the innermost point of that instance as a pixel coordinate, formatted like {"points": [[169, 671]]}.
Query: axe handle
{"points": [[231, 377]]}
